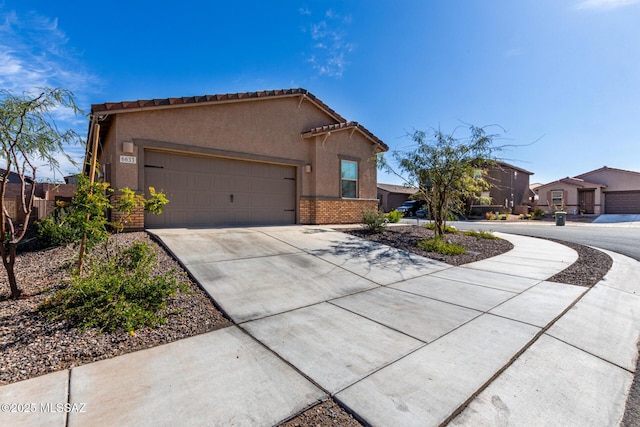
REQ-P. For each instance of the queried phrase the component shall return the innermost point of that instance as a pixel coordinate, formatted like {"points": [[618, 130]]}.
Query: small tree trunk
{"points": [[83, 245], [9, 260]]}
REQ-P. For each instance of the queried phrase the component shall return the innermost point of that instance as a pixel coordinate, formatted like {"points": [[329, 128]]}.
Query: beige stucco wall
{"points": [[571, 201], [615, 180], [343, 145], [261, 130]]}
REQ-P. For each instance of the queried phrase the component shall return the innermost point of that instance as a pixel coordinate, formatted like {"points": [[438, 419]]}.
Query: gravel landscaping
{"points": [[407, 238], [32, 345]]}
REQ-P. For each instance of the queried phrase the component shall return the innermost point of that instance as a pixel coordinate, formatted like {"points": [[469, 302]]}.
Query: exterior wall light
{"points": [[127, 147]]}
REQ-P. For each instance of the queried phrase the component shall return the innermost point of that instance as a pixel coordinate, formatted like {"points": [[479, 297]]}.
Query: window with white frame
{"points": [[557, 198], [348, 179]]}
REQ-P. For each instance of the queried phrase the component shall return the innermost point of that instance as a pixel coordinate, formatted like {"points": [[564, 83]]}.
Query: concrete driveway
{"points": [[396, 338]]}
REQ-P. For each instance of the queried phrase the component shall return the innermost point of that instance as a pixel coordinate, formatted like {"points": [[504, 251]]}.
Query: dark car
{"points": [[409, 207], [423, 212]]}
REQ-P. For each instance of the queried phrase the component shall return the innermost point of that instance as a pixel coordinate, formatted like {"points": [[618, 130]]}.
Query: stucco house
{"points": [[391, 196], [601, 191], [251, 158]]}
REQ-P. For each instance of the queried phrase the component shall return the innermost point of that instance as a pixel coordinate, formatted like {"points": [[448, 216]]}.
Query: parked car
{"points": [[423, 212], [409, 207]]}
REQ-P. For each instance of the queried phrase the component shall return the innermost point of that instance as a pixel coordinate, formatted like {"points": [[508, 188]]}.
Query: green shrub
{"points": [[537, 214], [394, 216], [56, 230], [374, 220], [449, 229], [441, 246], [117, 292], [481, 235]]}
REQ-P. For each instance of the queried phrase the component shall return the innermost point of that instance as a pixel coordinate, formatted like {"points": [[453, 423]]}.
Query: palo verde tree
{"points": [[28, 134], [443, 168]]}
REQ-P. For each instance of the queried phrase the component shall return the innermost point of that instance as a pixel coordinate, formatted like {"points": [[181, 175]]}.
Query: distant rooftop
{"points": [[398, 188]]}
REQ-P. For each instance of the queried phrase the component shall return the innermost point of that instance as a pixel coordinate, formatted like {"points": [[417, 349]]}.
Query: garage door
{"points": [[622, 202], [207, 191]]}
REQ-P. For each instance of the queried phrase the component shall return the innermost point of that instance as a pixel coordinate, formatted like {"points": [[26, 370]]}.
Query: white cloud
{"points": [[330, 47], [513, 52], [605, 4], [34, 53]]}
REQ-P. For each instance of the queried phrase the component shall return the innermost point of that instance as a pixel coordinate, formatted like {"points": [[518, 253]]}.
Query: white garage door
{"points": [[208, 191]]}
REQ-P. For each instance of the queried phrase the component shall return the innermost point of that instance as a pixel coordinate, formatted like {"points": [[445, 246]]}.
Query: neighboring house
{"points": [[53, 191], [604, 190], [509, 190], [45, 195], [391, 196], [71, 179], [271, 157]]}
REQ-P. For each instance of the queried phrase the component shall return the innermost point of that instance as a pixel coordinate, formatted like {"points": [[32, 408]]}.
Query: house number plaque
{"points": [[128, 159]]}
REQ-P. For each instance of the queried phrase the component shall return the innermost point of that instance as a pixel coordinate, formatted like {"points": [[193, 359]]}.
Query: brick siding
{"points": [[133, 222], [334, 211]]}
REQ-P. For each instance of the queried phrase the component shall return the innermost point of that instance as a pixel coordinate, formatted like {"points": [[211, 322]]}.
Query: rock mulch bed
{"points": [[32, 345], [588, 270], [325, 414], [407, 238]]}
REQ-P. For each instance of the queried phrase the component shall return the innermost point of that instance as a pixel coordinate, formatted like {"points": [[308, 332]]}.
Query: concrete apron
{"points": [[396, 338]]}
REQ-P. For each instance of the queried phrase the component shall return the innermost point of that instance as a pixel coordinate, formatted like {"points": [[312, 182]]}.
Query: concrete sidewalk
{"points": [[396, 338]]}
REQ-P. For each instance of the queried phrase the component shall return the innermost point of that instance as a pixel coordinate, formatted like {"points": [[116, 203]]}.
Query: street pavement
{"points": [[621, 237], [395, 338]]}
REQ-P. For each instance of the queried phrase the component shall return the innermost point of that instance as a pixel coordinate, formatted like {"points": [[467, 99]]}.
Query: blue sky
{"points": [[561, 77]]}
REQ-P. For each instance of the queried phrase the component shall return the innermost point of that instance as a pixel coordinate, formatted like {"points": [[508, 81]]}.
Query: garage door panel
{"points": [[622, 202], [200, 189]]}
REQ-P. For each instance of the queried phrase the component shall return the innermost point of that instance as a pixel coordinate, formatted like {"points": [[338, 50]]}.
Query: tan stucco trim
{"points": [[148, 144]]}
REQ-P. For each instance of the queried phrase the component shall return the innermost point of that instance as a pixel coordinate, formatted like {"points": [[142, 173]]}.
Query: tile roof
{"points": [[327, 129], [606, 168], [508, 165], [123, 106], [573, 181]]}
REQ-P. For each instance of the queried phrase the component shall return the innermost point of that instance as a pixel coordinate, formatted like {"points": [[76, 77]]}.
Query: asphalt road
{"points": [[620, 238]]}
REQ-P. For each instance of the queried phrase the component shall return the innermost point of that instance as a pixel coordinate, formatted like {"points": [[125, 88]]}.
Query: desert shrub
{"points": [[374, 220], [537, 214], [120, 291], [490, 216], [394, 216], [449, 229], [481, 235], [56, 230], [441, 246]]}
